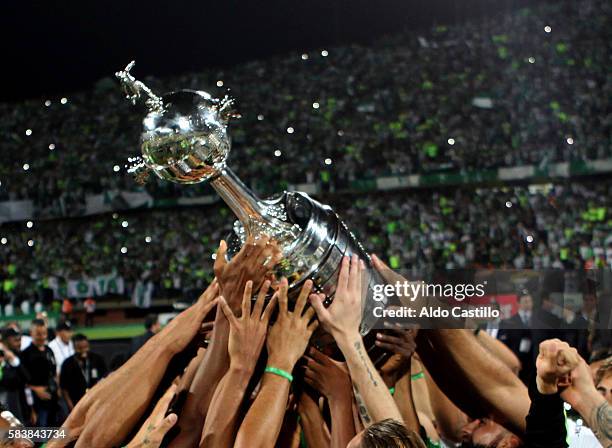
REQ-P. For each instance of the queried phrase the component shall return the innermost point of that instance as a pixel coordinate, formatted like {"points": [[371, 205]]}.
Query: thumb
{"points": [[220, 260], [316, 300], [168, 422]]}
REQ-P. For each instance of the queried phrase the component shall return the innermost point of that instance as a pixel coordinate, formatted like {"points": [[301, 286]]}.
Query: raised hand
{"points": [[289, 336], [186, 326], [343, 316], [329, 377], [248, 332], [555, 361], [256, 258], [400, 342], [156, 425]]}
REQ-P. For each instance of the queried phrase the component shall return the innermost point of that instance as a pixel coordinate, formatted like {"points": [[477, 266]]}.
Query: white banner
{"points": [[88, 287]]}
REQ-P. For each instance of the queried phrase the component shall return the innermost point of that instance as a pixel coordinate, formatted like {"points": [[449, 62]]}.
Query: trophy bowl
{"points": [[186, 141]]}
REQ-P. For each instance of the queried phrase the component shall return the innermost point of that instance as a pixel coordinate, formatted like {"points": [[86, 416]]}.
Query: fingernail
{"points": [[379, 336], [377, 342]]}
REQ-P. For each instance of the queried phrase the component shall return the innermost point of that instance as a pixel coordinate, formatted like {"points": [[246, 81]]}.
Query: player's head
{"points": [[38, 332], [386, 434]]}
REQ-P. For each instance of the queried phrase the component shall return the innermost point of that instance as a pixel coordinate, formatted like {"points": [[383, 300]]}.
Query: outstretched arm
{"points": [[312, 423], [342, 320], [106, 406], [500, 350], [247, 335], [468, 371], [584, 397], [248, 264], [331, 378], [287, 340]]}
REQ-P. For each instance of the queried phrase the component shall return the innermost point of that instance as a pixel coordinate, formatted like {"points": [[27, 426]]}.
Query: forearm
{"points": [[500, 350], [470, 370], [263, 421], [449, 418], [405, 404], [220, 427], [373, 398], [597, 412], [545, 422], [204, 384], [342, 425], [314, 428]]}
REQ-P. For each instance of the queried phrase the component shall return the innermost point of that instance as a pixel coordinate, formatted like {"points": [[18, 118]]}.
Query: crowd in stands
{"points": [[270, 371], [527, 87], [541, 227]]}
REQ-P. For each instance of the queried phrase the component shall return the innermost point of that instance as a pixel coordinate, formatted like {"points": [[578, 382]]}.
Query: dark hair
{"points": [[150, 320], [79, 337], [38, 323], [64, 326], [390, 434]]}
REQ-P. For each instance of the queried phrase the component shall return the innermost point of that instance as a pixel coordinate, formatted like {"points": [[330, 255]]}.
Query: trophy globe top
{"points": [[186, 141]]}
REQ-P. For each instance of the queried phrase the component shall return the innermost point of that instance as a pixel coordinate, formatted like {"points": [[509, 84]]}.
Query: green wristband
{"points": [[279, 372], [392, 390], [417, 376]]}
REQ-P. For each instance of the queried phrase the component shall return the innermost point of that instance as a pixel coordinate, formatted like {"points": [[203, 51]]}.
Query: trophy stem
{"points": [[238, 197]]}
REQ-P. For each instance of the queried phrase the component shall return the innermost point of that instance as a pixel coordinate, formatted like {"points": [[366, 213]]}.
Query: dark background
{"points": [[58, 47]]}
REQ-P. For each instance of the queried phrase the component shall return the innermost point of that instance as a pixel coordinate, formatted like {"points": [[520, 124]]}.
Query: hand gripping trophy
{"points": [[185, 140]]}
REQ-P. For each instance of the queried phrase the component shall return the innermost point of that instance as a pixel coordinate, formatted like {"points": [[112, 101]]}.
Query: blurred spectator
{"points": [[81, 371], [39, 362], [62, 346], [90, 311]]}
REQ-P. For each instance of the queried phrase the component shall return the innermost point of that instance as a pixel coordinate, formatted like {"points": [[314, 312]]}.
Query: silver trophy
{"points": [[185, 140]]}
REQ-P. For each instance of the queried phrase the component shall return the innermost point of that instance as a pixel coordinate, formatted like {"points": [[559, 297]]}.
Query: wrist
{"points": [[588, 401], [347, 339], [546, 387], [241, 369], [281, 363]]}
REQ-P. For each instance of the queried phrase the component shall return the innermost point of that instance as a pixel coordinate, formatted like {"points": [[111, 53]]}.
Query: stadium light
{"points": [[219, 83], [315, 105], [290, 130]]}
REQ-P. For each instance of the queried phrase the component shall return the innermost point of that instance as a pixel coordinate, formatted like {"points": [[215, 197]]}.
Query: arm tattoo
{"points": [[361, 407], [365, 363], [601, 423]]}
